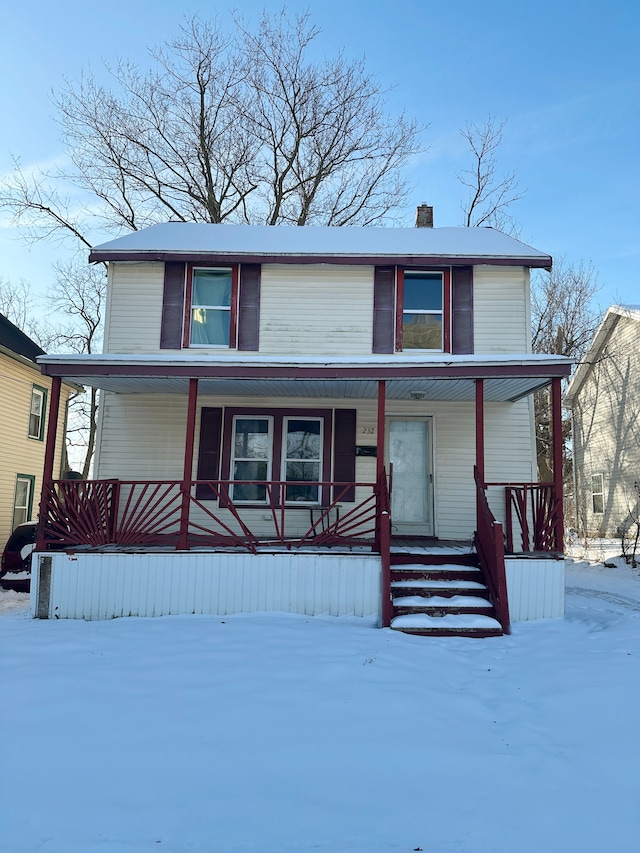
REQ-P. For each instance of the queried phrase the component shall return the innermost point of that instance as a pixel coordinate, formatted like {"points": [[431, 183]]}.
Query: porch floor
{"points": [[399, 545]]}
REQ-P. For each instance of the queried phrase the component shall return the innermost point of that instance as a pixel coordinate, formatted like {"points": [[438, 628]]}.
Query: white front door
{"points": [[409, 451]]}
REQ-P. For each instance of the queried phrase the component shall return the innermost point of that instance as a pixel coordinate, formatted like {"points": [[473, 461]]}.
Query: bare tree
{"points": [[564, 320], [78, 296], [16, 303], [490, 194], [328, 152], [245, 128]]}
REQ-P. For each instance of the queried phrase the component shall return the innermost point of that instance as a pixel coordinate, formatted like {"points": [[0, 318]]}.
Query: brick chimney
{"points": [[424, 216]]}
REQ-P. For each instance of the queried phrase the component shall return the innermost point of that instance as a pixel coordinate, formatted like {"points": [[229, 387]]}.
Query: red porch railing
{"points": [[489, 541], [96, 513], [383, 546], [534, 516]]}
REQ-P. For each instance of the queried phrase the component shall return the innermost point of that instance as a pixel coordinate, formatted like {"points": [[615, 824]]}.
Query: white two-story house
{"points": [[289, 414]]}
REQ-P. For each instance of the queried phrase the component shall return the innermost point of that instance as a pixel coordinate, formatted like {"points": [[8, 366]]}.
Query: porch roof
{"points": [[508, 377]]}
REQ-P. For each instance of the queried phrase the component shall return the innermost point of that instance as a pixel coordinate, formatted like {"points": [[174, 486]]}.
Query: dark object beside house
{"points": [[15, 568]]}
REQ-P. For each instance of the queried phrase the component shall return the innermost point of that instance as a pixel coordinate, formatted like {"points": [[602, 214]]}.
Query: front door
{"points": [[409, 451]]}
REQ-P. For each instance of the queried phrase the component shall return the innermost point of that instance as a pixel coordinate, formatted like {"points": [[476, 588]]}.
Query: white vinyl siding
{"points": [[501, 310], [142, 437], [607, 432], [134, 308], [316, 310]]}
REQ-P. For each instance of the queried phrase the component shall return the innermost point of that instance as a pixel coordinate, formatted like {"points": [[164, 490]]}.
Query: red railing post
{"points": [[509, 517], [183, 538], [385, 556], [112, 499], [490, 547], [557, 500], [502, 604], [49, 453]]}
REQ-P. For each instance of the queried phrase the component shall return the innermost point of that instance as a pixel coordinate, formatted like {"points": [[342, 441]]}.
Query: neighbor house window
{"points": [[23, 500], [37, 412], [302, 458], [423, 310], [597, 493], [211, 303], [251, 459]]}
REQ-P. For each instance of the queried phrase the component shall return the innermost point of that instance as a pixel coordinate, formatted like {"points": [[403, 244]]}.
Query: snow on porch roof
{"points": [[438, 377], [182, 240]]}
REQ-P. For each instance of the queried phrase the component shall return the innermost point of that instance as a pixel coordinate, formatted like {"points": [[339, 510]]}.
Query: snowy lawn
{"points": [[285, 734]]}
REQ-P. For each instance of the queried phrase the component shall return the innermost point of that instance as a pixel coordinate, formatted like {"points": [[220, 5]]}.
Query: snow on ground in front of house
{"points": [[270, 733]]}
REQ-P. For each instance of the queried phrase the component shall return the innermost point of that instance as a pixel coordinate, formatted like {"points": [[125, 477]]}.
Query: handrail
{"points": [[383, 528], [489, 542]]}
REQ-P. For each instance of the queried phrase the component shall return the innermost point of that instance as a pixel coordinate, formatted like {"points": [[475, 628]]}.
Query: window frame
{"points": [[445, 272], [277, 446], [233, 306], [595, 493], [285, 459], [234, 459], [37, 390], [28, 508]]}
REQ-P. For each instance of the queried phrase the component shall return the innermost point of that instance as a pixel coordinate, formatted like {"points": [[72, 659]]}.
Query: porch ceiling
{"points": [[448, 378]]}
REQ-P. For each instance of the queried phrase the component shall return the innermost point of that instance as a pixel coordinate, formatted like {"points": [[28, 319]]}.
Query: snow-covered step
{"points": [[472, 624], [422, 583], [437, 567], [442, 601]]}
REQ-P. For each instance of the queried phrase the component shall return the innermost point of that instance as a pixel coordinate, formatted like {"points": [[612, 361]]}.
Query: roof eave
{"points": [[102, 255]]}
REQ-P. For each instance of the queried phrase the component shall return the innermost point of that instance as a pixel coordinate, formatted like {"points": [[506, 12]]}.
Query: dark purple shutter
{"points": [[249, 308], [344, 452], [462, 310], [383, 309], [172, 306], [209, 451]]}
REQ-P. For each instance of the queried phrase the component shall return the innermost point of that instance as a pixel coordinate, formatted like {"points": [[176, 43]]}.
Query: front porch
{"points": [[335, 528]]}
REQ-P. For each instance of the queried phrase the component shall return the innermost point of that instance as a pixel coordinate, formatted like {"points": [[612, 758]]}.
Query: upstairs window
{"points": [[211, 304], [423, 311], [37, 412]]}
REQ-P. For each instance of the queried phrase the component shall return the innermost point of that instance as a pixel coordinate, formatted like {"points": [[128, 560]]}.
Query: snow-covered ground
{"points": [[284, 734]]}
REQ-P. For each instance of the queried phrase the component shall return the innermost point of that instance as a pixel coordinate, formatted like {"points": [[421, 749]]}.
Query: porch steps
{"points": [[434, 596]]}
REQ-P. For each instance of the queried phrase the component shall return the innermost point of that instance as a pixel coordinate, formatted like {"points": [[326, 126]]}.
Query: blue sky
{"points": [[565, 75]]}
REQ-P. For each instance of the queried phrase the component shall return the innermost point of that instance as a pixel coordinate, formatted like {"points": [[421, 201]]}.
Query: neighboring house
{"points": [[263, 389], [604, 397], [24, 398]]}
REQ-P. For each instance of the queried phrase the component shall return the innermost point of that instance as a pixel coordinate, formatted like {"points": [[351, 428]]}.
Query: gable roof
{"points": [[15, 342], [317, 244], [601, 337]]}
